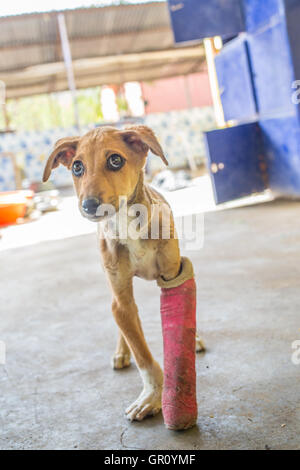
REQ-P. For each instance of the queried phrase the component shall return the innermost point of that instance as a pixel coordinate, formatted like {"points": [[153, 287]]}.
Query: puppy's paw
{"points": [[149, 401], [120, 361], [146, 405], [200, 346]]}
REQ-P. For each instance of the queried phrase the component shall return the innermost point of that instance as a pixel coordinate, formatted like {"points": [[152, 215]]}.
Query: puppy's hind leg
{"points": [[200, 346], [121, 357]]}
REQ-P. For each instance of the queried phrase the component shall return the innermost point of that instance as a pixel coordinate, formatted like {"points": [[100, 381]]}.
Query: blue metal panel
{"points": [[235, 81], [259, 13], [198, 19], [281, 138], [293, 23], [250, 157], [273, 72], [236, 161]]}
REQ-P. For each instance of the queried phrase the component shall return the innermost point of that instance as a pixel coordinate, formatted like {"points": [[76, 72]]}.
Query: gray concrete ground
{"points": [[57, 390]]}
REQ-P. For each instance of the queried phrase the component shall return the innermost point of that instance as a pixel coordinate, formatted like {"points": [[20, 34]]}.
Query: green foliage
{"points": [[89, 105], [54, 110]]}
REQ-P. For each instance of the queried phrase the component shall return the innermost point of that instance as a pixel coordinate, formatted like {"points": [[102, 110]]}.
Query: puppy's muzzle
{"points": [[90, 206]]}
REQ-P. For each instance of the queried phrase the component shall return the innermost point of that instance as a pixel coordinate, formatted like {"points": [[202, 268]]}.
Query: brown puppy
{"points": [[108, 164]]}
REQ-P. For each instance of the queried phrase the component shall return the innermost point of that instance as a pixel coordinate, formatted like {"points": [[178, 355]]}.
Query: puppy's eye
{"points": [[115, 162], [78, 168]]}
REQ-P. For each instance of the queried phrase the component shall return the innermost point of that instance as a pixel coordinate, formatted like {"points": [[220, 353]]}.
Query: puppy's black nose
{"points": [[90, 205]]}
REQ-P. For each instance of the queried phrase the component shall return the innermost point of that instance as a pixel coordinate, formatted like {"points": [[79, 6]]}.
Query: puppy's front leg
{"points": [[126, 315]]}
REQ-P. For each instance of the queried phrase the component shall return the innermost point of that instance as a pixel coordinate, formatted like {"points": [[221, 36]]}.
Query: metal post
{"points": [[65, 45], [6, 117], [3, 104], [214, 86], [188, 96]]}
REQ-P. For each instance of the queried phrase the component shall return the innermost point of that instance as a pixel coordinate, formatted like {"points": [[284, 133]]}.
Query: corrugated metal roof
{"points": [[33, 39]]}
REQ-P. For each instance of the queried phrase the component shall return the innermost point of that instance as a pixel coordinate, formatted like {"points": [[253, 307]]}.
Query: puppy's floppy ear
{"points": [[63, 152], [141, 139]]}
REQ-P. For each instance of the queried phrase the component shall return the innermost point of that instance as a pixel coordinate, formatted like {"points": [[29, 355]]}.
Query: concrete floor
{"points": [[57, 390]]}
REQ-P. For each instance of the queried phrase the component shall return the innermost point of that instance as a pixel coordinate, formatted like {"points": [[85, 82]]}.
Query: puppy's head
{"points": [[106, 163]]}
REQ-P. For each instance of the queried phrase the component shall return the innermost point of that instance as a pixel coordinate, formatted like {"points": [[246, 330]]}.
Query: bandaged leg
{"points": [[178, 314]]}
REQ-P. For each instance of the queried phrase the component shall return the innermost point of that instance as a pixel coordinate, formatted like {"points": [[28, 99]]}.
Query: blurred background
{"points": [[216, 81], [66, 71]]}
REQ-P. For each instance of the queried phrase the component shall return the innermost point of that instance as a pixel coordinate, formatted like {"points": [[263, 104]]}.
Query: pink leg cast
{"points": [[178, 313]]}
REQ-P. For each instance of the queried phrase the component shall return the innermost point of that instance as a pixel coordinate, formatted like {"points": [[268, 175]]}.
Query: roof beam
{"points": [[80, 39], [83, 66], [145, 73]]}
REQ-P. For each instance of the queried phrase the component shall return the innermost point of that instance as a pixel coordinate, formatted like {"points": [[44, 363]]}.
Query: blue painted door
{"points": [[236, 82], [236, 161]]}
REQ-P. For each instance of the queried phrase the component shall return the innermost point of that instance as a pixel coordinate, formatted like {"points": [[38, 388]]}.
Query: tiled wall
{"points": [[7, 177], [179, 132]]}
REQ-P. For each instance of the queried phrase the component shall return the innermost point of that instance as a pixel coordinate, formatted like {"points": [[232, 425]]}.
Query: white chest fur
{"points": [[143, 257], [142, 252]]}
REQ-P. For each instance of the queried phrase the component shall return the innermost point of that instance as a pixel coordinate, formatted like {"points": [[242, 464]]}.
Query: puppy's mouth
{"points": [[100, 215], [90, 217]]}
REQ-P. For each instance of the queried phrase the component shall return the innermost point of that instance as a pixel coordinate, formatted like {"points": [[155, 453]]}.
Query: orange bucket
{"points": [[13, 206]]}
